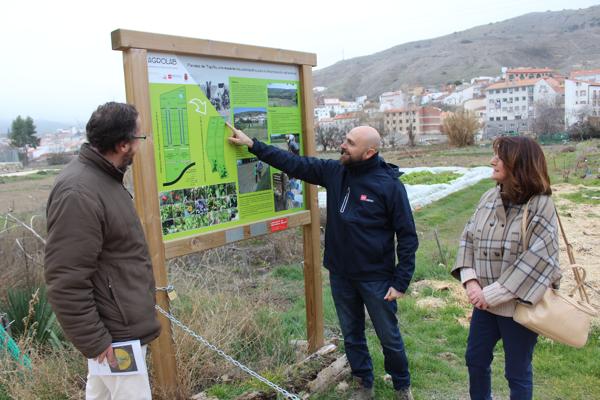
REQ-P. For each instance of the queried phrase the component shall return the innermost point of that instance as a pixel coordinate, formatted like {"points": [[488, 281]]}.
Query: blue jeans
{"points": [[519, 342], [350, 298]]}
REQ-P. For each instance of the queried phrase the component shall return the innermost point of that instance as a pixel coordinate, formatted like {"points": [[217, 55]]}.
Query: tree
{"points": [[23, 132], [461, 128], [549, 117], [22, 135], [328, 137], [412, 135]]}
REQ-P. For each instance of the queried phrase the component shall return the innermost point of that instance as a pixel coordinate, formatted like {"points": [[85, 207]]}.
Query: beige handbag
{"points": [[557, 316]]}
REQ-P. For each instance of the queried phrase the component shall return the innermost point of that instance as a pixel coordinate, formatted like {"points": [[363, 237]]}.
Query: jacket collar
{"points": [[90, 156], [360, 167]]}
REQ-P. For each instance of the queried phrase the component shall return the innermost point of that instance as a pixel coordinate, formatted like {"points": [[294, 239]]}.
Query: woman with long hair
{"points": [[497, 271]]}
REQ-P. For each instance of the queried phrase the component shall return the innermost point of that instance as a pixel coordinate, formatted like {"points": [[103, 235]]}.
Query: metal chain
{"points": [[220, 352], [168, 288]]}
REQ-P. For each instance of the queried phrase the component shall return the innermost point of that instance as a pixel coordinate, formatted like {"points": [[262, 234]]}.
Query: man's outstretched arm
{"points": [[310, 169]]}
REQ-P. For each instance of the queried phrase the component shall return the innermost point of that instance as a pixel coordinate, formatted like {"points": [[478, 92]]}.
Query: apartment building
{"points": [[582, 100], [421, 120], [331, 107], [341, 121], [392, 100], [510, 105], [522, 73], [590, 75]]}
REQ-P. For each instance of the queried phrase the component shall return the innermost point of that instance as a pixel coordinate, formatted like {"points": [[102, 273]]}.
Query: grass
{"points": [[584, 196], [428, 177], [42, 174], [579, 167], [448, 217]]}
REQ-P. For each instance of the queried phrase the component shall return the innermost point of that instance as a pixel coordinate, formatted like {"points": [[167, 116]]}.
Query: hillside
{"points": [[558, 39]]}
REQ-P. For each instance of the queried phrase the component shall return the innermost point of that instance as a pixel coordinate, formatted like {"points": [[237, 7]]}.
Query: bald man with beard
{"points": [[367, 207]]}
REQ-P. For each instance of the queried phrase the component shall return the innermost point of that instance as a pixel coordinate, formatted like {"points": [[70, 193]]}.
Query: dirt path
{"points": [[26, 196], [582, 226]]}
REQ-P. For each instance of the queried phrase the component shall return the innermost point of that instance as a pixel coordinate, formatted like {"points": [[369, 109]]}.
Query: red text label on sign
{"points": [[279, 224]]}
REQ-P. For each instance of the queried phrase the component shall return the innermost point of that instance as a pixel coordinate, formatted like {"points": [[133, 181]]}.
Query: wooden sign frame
{"points": [[135, 46]]}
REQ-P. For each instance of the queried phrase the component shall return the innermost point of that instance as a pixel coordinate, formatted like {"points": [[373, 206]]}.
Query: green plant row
{"points": [[428, 177]]}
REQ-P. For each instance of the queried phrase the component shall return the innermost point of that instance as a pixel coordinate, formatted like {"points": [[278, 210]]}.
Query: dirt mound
{"points": [[582, 227]]}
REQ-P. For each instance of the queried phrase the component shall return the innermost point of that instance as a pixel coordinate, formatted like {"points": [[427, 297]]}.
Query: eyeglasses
{"points": [[139, 137]]}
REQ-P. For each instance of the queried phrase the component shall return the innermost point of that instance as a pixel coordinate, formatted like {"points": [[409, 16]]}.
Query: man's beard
{"points": [[127, 160], [348, 160]]}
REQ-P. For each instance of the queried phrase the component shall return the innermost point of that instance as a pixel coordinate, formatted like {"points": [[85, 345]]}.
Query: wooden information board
{"points": [[194, 191]]}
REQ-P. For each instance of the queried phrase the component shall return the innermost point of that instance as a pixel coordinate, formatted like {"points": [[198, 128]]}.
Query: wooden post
{"points": [[312, 232], [146, 203]]}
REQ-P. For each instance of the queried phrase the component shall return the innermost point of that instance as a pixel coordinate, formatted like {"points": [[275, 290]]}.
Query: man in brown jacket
{"points": [[97, 266]]}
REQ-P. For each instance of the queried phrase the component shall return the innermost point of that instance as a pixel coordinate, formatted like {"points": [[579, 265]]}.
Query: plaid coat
{"points": [[491, 245]]}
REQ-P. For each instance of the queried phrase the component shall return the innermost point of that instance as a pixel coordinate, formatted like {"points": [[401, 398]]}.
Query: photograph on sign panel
{"points": [[218, 95], [289, 142], [188, 209], [253, 121], [287, 192], [282, 94], [253, 175]]}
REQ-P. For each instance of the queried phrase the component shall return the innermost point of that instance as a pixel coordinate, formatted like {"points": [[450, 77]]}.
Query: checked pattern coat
{"points": [[491, 251]]}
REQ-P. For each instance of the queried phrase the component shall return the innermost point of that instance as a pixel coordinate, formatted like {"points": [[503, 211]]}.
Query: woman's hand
{"points": [[475, 294]]}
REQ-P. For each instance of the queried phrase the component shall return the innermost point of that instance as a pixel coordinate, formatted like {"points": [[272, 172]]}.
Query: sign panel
{"points": [[204, 182]]}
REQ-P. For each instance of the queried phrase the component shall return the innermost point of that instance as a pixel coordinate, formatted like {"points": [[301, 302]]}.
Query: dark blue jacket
{"points": [[366, 206]]}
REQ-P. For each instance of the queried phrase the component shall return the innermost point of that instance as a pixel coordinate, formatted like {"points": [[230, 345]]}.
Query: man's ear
{"points": [[123, 146], [369, 153]]}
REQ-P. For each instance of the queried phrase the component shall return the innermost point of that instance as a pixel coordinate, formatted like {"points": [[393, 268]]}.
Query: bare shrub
{"points": [[21, 254], [238, 313], [461, 128], [549, 117], [59, 159]]}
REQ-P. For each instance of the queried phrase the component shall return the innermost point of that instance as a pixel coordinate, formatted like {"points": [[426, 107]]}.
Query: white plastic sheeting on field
{"points": [[421, 195]]}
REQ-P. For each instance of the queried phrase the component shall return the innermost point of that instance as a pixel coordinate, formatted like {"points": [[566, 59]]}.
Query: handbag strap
{"points": [[578, 271]]}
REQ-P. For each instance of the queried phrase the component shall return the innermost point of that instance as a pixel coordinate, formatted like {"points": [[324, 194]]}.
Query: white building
{"points": [[591, 75], [361, 99], [458, 97], [341, 121], [334, 106], [523, 73], [477, 107], [432, 97], [510, 105], [321, 113], [582, 99], [390, 100]]}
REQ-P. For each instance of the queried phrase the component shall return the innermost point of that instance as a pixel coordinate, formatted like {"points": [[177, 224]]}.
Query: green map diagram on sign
{"points": [[215, 149], [175, 134]]}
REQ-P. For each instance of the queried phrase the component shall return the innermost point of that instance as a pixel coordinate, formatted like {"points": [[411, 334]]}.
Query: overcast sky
{"points": [[57, 62]]}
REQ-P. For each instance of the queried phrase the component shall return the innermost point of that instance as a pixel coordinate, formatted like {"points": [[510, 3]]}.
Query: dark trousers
{"points": [[350, 298], [519, 342]]}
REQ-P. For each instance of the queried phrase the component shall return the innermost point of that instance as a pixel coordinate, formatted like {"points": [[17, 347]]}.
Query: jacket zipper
{"points": [[114, 295], [345, 202]]}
